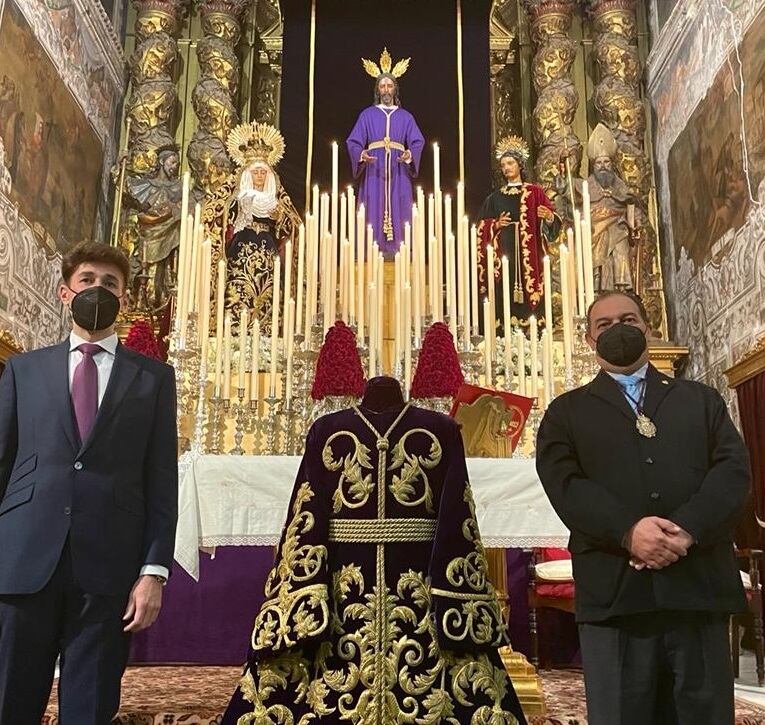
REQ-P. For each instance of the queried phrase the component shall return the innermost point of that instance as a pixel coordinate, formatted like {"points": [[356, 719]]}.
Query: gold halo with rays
{"points": [[515, 144], [250, 142]]}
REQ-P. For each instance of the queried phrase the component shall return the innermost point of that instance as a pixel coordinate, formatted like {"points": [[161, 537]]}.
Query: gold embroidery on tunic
{"points": [[413, 469], [353, 465], [290, 614]]}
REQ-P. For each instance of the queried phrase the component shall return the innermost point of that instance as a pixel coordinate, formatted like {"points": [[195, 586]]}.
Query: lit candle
{"points": [[360, 281], [589, 285], [227, 359], [566, 313], [287, 279], [460, 208], [449, 248], [571, 270], [290, 325], [487, 353], [243, 324], [275, 326], [506, 322], [254, 379], [451, 284], [345, 259], [407, 339], [219, 307], [534, 340]]}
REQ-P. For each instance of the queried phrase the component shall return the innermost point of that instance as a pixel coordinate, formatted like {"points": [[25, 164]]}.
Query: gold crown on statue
{"points": [[515, 144], [251, 142], [386, 66]]}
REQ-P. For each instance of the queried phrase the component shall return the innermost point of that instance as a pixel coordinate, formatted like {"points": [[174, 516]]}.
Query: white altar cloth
{"points": [[242, 501]]}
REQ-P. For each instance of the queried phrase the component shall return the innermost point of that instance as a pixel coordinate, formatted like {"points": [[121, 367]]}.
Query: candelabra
{"points": [[272, 432], [240, 422], [217, 425]]}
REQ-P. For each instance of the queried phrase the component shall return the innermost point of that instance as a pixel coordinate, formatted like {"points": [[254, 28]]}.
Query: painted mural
{"points": [[52, 153]]}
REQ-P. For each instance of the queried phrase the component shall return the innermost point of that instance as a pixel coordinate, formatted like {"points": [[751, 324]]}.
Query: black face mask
{"points": [[95, 308], [621, 345]]}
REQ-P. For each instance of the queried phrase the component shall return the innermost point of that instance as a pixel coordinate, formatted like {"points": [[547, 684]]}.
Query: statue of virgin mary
{"points": [[259, 219]]}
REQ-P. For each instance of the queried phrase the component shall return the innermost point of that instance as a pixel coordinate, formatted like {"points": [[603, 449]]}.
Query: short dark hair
{"points": [[612, 293], [94, 253]]}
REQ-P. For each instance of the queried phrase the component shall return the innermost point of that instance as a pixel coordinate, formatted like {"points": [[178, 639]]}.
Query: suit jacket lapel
{"points": [[57, 380], [606, 388], [126, 367], [657, 386]]}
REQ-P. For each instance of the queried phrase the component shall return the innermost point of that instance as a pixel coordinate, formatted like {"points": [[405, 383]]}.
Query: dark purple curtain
{"points": [[424, 30], [751, 406]]}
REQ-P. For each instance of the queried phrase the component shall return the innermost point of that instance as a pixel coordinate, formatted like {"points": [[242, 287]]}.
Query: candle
{"points": [[351, 282], [436, 167], [491, 290], [474, 277], [219, 307], [546, 377], [566, 314], [275, 326], [451, 285], [587, 245], [185, 294], [449, 246], [361, 288], [300, 272], [506, 322], [534, 340], [407, 339], [380, 269], [290, 325], [204, 301], [227, 358], [571, 270], [243, 324], [312, 264], [345, 263], [372, 307], [287, 279], [191, 290], [432, 282], [548, 293], [439, 259], [521, 363], [254, 380], [579, 253], [315, 201], [461, 261], [460, 208], [487, 353], [182, 247], [397, 299], [351, 216]]}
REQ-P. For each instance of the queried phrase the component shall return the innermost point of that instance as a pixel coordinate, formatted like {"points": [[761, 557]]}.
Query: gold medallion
{"points": [[646, 427]]}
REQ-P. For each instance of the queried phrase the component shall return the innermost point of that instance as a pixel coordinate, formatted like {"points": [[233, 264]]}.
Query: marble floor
{"points": [[746, 684]]}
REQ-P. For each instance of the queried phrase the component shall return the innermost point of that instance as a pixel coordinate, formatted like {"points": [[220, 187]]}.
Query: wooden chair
{"points": [[751, 579], [549, 587]]}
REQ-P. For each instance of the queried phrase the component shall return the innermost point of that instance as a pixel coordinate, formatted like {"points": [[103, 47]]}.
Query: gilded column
{"points": [[557, 97], [214, 96], [267, 63], [502, 59], [148, 193], [619, 106]]}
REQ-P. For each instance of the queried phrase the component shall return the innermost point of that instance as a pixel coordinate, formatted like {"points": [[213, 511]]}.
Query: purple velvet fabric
{"points": [[370, 127], [208, 622]]}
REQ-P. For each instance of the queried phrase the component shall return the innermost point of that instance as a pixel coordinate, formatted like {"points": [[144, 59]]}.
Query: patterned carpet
{"points": [[198, 695]]}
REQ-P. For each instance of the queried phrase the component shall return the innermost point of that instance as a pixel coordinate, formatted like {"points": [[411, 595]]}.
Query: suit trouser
{"points": [[85, 630], [662, 668]]}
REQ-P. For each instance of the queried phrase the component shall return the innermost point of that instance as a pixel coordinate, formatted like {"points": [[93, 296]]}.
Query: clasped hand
{"points": [[655, 543]]}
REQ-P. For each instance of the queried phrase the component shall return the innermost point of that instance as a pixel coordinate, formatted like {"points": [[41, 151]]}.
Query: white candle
{"points": [[275, 327], [345, 263], [290, 325], [436, 167], [580, 290], [451, 285], [300, 272], [287, 279], [407, 339], [372, 307], [204, 302], [506, 323], [546, 376], [362, 301], [397, 301], [589, 284], [487, 353], [182, 248], [534, 339], [491, 290], [243, 323], [448, 248], [521, 354], [227, 359], [474, 276], [254, 380], [219, 307], [566, 313], [571, 271]]}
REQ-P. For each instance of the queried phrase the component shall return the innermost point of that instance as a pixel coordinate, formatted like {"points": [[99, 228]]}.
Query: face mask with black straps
{"points": [[621, 345], [95, 308]]}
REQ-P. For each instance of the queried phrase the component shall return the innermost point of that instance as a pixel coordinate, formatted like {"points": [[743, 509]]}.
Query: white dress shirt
{"points": [[104, 363]]}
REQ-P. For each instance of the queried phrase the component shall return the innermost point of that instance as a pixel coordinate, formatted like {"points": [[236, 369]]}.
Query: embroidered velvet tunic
{"points": [[378, 609]]}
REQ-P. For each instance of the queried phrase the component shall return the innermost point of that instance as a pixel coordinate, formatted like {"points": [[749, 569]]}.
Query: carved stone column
{"points": [[216, 90], [619, 106], [557, 97]]}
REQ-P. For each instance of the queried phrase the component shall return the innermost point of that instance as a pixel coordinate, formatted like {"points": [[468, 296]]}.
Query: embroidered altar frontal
{"points": [[378, 609]]}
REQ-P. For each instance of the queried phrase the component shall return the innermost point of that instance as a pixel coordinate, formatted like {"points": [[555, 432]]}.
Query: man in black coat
{"points": [[88, 503], [649, 474]]}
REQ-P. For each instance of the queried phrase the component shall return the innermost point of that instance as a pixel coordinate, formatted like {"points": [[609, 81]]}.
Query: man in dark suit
{"points": [[88, 503], [649, 474]]}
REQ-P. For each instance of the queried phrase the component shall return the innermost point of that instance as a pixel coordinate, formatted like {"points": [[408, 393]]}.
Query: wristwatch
{"points": [[160, 579]]}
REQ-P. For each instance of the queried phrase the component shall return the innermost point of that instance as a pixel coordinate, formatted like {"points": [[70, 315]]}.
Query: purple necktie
{"points": [[85, 389]]}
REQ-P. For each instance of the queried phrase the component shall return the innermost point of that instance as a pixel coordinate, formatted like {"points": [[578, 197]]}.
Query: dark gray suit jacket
{"points": [[115, 495], [602, 476]]}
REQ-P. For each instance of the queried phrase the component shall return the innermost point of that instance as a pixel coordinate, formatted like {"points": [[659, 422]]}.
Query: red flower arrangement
{"points": [[338, 369], [142, 339], [438, 373]]}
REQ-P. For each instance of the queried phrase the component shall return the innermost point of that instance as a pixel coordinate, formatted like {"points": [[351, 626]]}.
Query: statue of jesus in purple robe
{"points": [[385, 147]]}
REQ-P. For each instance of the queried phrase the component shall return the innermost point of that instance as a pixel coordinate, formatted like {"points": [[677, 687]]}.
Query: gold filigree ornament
{"points": [[386, 66], [251, 142], [514, 144]]}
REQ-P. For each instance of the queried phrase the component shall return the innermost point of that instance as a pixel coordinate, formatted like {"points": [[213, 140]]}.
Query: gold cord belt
{"points": [[386, 144], [381, 531]]}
